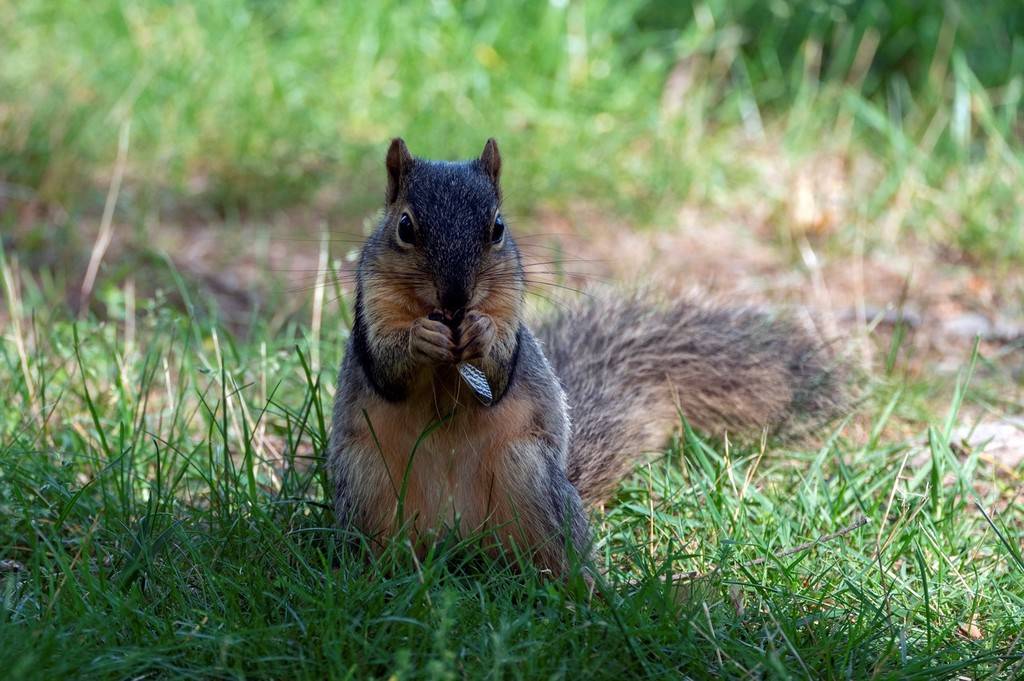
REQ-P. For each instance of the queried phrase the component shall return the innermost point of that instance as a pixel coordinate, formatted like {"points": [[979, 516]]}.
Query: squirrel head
{"points": [[442, 243]]}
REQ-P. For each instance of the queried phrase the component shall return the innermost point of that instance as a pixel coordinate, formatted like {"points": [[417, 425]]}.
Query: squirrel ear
{"points": [[490, 161], [399, 161]]}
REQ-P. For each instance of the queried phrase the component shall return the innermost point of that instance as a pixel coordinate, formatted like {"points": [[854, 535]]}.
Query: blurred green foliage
{"points": [[248, 106], [910, 36]]}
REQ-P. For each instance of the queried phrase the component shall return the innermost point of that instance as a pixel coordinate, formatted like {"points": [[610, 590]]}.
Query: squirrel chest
{"points": [[456, 474]]}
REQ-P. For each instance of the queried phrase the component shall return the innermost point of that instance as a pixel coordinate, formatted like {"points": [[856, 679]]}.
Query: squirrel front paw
{"points": [[431, 342], [477, 334]]}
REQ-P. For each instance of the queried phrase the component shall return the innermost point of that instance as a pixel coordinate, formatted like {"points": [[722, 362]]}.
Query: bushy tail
{"points": [[628, 366]]}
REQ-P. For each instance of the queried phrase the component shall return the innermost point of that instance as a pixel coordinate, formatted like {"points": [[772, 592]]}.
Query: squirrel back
{"points": [[630, 366]]}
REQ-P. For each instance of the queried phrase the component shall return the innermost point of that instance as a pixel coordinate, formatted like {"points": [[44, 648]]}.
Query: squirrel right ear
{"points": [[490, 161], [399, 161]]}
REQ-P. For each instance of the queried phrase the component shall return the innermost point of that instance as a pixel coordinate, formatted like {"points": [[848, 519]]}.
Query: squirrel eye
{"points": [[406, 232], [498, 231]]}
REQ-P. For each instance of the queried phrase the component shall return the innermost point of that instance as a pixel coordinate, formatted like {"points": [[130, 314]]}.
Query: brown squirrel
{"points": [[565, 410]]}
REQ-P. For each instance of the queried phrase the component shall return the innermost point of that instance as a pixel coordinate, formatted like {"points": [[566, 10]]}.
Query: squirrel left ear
{"points": [[490, 161]]}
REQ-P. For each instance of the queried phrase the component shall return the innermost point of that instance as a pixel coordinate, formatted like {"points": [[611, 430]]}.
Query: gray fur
{"points": [[629, 366]]}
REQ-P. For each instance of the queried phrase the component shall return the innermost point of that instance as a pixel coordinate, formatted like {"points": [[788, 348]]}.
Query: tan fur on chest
{"points": [[456, 476]]}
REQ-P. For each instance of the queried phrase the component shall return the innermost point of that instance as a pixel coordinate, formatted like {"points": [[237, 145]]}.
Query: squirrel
{"points": [[567, 409]]}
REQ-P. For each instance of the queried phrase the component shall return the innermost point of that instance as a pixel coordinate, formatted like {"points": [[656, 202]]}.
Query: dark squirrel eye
{"points": [[406, 232], [498, 231]]}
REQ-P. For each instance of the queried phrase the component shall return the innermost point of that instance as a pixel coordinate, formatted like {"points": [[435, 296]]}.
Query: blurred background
{"points": [[860, 157]]}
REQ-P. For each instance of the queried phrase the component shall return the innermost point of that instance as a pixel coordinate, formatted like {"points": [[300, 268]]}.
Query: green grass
{"points": [[164, 511], [162, 498]]}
